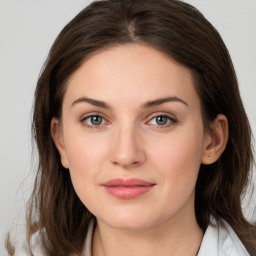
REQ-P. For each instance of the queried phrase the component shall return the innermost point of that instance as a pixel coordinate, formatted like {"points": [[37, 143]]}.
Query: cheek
{"points": [[80, 157], [84, 151], [177, 160], [86, 155], [179, 157]]}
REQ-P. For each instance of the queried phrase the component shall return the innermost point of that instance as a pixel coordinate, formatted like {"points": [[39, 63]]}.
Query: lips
{"points": [[127, 189]]}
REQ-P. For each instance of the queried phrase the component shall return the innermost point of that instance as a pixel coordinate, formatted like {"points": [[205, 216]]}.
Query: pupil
{"points": [[96, 120], [161, 120]]}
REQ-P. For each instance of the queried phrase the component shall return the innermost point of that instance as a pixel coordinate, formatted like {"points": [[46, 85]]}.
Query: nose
{"points": [[127, 148]]}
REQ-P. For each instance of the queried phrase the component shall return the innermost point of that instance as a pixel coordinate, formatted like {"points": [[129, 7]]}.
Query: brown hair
{"points": [[181, 32]]}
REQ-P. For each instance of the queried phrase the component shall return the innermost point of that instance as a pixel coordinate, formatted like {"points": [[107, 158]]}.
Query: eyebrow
{"points": [[148, 104], [94, 102], [160, 101]]}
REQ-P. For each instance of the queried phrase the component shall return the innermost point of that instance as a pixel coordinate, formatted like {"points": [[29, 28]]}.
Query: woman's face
{"points": [[132, 137]]}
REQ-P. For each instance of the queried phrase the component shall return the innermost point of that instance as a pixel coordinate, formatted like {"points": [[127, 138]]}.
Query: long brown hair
{"points": [[181, 32]]}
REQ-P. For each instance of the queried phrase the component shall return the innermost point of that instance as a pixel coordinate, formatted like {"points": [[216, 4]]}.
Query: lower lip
{"points": [[128, 192]]}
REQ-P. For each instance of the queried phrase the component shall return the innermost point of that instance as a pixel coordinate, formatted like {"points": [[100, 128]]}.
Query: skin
{"points": [[130, 143]]}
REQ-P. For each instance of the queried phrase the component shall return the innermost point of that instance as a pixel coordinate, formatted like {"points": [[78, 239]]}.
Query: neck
{"points": [[171, 237]]}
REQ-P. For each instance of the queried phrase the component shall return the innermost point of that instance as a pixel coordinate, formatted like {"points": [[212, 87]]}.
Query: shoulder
{"points": [[221, 240]]}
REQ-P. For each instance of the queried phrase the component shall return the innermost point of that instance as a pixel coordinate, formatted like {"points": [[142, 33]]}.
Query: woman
{"points": [[142, 137]]}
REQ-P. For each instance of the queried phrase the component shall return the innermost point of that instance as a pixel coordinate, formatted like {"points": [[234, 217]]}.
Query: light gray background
{"points": [[27, 30]]}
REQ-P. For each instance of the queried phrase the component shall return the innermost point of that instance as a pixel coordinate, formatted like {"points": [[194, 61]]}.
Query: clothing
{"points": [[249, 199], [219, 240]]}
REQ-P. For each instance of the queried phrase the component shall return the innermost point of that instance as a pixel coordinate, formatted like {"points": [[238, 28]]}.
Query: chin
{"points": [[128, 219], [128, 224]]}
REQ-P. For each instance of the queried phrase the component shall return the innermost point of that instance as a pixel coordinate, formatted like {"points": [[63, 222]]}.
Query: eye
{"points": [[93, 120], [162, 120]]}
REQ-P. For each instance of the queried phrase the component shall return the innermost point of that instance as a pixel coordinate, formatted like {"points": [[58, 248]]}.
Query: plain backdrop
{"points": [[27, 30]]}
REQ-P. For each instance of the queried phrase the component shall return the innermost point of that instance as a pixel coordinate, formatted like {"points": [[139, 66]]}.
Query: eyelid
{"points": [[172, 119], [82, 120]]}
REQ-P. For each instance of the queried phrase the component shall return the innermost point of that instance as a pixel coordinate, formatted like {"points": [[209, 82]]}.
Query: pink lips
{"points": [[127, 189]]}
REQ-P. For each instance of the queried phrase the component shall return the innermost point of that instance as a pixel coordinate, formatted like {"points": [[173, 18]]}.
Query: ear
{"points": [[57, 136], [215, 140]]}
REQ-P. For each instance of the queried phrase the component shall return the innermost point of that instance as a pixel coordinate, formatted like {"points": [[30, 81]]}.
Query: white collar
{"points": [[221, 240]]}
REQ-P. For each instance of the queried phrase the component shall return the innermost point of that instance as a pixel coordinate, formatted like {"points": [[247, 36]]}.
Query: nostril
{"points": [[127, 153], [127, 165]]}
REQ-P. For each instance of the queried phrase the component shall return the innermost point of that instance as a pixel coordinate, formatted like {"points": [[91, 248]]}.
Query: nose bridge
{"points": [[127, 149]]}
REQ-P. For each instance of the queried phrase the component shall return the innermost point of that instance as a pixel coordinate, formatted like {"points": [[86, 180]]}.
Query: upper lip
{"points": [[127, 183]]}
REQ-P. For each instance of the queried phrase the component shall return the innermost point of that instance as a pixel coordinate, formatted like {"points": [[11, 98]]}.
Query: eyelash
{"points": [[170, 121], [85, 123]]}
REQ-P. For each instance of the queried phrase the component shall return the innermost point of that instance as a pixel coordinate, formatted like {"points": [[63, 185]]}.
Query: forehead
{"points": [[128, 72]]}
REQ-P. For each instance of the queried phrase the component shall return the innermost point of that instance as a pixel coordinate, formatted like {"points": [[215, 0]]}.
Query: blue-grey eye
{"points": [[94, 120], [162, 120]]}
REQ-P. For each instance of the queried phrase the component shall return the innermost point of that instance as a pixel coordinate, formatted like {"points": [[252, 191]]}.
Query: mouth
{"points": [[127, 189]]}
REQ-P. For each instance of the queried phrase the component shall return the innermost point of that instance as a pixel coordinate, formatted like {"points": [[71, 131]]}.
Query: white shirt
{"points": [[221, 240]]}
